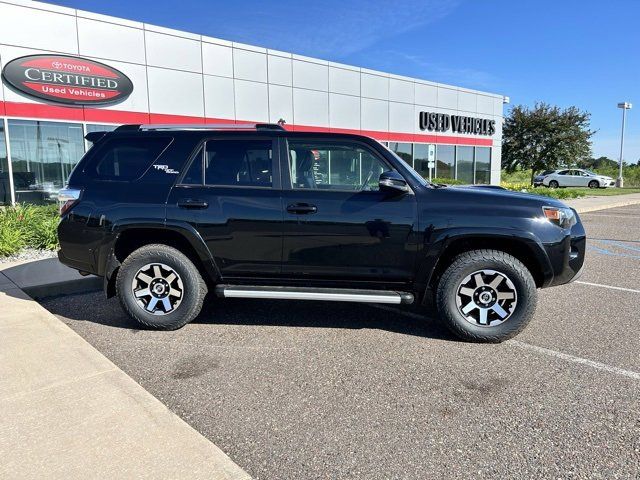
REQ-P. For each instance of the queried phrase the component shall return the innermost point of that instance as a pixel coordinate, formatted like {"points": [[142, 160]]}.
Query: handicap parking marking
{"points": [[574, 359], [606, 247], [612, 287], [621, 244]]}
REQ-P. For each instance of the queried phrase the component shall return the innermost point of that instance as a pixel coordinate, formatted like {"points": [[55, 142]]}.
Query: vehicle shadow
{"points": [[406, 320]]}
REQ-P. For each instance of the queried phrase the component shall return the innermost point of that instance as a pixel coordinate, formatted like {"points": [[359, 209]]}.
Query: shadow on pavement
{"points": [[407, 320]]}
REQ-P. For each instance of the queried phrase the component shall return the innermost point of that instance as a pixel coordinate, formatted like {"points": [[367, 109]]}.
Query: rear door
{"points": [[338, 224], [563, 178], [231, 194]]}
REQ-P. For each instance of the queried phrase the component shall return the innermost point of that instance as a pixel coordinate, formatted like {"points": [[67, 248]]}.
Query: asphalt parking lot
{"points": [[294, 390]]}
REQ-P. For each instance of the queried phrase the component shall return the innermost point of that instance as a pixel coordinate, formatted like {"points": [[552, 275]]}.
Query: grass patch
{"points": [[28, 226], [607, 192]]}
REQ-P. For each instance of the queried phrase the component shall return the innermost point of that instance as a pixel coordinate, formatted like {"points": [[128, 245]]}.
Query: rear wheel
{"points": [[594, 184], [160, 287], [486, 296], [554, 184]]}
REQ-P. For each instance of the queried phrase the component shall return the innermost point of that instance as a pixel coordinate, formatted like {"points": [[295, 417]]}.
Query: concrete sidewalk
{"points": [[68, 412], [590, 204]]}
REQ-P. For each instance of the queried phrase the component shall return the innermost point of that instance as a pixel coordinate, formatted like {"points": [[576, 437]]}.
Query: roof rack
{"points": [[201, 126]]}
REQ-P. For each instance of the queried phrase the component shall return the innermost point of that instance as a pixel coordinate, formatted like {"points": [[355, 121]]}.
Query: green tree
{"points": [[595, 163], [545, 137]]}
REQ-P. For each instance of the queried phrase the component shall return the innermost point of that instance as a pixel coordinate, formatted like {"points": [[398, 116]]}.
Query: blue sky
{"points": [[565, 52]]}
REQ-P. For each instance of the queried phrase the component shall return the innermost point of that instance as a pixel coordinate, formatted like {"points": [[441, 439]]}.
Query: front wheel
{"points": [[553, 184], [160, 287], [594, 184], [486, 296]]}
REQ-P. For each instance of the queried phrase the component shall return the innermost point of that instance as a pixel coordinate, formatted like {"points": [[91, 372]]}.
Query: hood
{"points": [[501, 195]]}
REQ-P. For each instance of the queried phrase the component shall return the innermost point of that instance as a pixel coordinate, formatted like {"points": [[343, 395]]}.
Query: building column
{"points": [[9, 161]]}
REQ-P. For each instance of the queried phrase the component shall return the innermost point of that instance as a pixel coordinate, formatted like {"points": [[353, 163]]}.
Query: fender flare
{"points": [[184, 229], [436, 246]]}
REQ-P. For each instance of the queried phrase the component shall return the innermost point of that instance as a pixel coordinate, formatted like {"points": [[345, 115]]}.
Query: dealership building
{"points": [[67, 72]]}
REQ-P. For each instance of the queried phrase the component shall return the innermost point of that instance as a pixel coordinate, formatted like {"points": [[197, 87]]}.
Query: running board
{"points": [[305, 293]]}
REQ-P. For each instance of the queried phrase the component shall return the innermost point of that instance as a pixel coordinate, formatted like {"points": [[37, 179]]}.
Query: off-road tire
{"points": [[469, 262], [194, 287]]}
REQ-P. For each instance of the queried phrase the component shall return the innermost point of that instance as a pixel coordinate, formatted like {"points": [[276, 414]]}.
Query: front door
{"points": [[231, 195], [338, 224]]}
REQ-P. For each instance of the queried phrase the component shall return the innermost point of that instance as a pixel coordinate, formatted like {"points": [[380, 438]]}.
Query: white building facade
{"points": [[67, 72]]}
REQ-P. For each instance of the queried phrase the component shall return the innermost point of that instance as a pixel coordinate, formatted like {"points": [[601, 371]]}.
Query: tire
{"points": [[178, 300], [516, 282], [594, 184], [554, 184]]}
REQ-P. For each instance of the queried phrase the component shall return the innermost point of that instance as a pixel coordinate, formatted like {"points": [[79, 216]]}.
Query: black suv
{"points": [[167, 214]]}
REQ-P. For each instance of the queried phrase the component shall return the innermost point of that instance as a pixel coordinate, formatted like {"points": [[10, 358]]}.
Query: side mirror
{"points": [[392, 182]]}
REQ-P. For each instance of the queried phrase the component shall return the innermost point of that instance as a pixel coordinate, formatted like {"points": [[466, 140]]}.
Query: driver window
{"points": [[334, 166]]}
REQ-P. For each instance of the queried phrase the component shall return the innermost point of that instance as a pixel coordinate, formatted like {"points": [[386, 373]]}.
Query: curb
{"points": [[69, 287], [610, 205]]}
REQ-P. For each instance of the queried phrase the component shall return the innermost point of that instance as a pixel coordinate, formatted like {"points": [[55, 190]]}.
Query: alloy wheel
{"points": [[157, 288], [486, 298]]}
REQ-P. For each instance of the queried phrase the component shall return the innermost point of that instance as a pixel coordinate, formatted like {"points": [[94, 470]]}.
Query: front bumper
{"points": [[567, 256]]}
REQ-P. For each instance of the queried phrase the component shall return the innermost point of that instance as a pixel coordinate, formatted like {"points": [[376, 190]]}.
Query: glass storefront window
{"points": [[445, 161], [464, 164], [483, 165], [5, 183], [94, 127], [403, 150], [42, 156], [421, 158]]}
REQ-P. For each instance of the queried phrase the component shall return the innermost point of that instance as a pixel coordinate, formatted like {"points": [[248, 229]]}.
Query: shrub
{"points": [[11, 241], [559, 193], [28, 226], [447, 181]]}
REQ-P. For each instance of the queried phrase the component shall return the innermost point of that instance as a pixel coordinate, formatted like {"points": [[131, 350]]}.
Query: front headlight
{"points": [[562, 216]]}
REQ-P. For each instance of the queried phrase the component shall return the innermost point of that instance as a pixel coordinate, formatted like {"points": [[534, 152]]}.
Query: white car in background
{"points": [[576, 177]]}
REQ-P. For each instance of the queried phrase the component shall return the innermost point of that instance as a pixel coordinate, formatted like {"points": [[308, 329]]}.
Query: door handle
{"points": [[192, 203], [301, 208]]}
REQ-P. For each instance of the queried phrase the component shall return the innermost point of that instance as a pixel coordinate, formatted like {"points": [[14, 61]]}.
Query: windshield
{"points": [[590, 172]]}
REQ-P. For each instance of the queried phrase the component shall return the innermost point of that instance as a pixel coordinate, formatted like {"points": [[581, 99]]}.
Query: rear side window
{"points": [[126, 159], [238, 163]]}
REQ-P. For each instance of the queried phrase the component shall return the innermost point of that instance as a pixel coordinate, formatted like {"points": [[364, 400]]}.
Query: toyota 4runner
{"points": [[167, 214]]}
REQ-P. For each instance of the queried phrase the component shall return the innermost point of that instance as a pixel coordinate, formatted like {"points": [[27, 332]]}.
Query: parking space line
{"points": [[573, 359], [607, 286]]}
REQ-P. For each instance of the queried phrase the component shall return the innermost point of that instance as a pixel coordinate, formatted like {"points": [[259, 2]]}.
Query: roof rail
{"points": [[201, 126]]}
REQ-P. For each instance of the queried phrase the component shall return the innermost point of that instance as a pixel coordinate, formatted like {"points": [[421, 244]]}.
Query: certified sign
{"points": [[67, 80]]}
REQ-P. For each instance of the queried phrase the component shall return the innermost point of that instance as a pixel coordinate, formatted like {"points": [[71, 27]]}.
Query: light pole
{"points": [[624, 106]]}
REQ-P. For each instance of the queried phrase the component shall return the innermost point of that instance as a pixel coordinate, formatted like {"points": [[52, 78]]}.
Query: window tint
{"points": [[127, 158], [238, 162], [334, 166], [194, 174], [564, 172]]}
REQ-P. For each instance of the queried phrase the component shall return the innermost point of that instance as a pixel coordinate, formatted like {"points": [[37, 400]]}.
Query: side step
{"points": [[306, 293]]}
